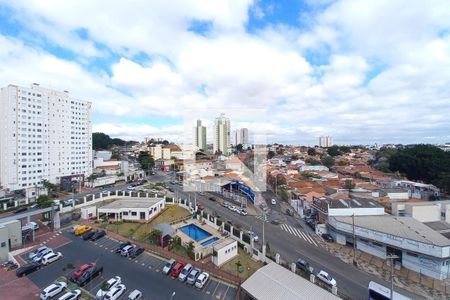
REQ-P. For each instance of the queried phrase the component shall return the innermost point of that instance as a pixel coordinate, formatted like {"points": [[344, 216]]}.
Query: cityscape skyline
{"points": [[303, 62]]}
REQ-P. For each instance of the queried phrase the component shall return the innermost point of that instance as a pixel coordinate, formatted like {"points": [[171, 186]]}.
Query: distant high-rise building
{"points": [[240, 136], [222, 135], [200, 135], [45, 135], [325, 141]]}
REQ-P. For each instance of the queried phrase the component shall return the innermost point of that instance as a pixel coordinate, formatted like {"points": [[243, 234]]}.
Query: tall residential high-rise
{"points": [[200, 135], [45, 135], [325, 141], [240, 136], [222, 135]]}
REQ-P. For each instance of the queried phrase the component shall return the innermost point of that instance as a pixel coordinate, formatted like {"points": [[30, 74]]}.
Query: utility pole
{"points": [[354, 240], [391, 257]]}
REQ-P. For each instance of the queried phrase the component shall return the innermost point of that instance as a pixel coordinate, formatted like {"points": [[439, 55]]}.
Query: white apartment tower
{"points": [[240, 136], [44, 134], [222, 135], [200, 136], [325, 141]]}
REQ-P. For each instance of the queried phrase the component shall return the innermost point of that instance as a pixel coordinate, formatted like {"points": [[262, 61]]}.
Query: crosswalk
{"points": [[262, 218], [299, 233]]}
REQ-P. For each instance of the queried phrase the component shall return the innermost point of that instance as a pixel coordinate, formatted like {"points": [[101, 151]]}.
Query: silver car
{"points": [[36, 252], [41, 254], [192, 277]]}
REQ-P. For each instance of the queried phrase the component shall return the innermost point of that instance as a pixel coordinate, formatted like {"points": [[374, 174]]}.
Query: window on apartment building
{"points": [[133, 213]]}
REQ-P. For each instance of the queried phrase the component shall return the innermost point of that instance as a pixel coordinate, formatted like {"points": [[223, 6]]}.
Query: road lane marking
{"points": [[224, 295]]}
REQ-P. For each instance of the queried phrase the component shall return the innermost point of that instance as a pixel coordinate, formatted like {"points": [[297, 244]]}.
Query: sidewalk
{"points": [[419, 284]]}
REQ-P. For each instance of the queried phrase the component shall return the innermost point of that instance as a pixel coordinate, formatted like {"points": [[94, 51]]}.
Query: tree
{"points": [[190, 250], [312, 161], [146, 160], [327, 161], [284, 195], [239, 148], [49, 186], [44, 201], [101, 141], [271, 154], [333, 151], [294, 156], [311, 151], [349, 184]]}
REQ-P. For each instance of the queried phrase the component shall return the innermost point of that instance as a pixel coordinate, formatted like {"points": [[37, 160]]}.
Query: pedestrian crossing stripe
{"points": [[297, 232]]}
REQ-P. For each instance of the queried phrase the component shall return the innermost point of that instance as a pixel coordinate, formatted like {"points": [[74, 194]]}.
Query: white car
{"points": [[51, 257], [31, 225], [36, 252], [201, 280], [52, 290], [72, 295], [111, 283], [253, 235], [273, 201], [115, 292], [185, 272], [243, 212], [126, 250], [38, 257], [130, 187], [168, 266], [325, 277]]}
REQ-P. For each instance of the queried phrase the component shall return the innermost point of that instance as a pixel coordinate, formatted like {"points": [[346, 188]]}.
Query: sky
{"points": [[363, 72]]}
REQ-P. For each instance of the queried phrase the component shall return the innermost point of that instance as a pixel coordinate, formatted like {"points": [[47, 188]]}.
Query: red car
{"points": [[176, 270], [77, 274]]}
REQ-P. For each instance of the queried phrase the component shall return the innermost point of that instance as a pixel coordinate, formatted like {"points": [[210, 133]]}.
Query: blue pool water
{"points": [[210, 241], [194, 232]]}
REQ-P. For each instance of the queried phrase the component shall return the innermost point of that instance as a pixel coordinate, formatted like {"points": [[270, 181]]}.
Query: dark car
{"points": [[98, 234], [87, 276], [290, 211], [87, 235], [136, 252], [212, 199], [20, 210], [275, 222], [121, 246], [27, 269], [327, 237], [304, 266]]}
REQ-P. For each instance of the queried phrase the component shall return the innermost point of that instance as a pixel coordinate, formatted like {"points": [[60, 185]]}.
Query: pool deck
{"points": [[185, 239]]}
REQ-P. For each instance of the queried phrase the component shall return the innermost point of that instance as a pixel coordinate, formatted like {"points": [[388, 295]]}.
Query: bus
{"points": [[380, 292]]}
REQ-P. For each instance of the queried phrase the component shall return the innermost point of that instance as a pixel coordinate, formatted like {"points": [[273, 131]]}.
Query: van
{"points": [[82, 229], [135, 295]]}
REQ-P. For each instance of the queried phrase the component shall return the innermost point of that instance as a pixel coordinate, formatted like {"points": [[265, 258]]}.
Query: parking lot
{"points": [[142, 273]]}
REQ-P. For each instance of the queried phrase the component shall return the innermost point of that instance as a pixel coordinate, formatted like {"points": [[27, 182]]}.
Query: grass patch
{"points": [[169, 214], [180, 250], [249, 265], [151, 186], [125, 229]]}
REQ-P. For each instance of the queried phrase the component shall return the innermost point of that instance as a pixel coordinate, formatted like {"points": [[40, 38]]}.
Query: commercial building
{"points": [[44, 134], [132, 209], [224, 251], [427, 211], [416, 246], [325, 141], [275, 282], [221, 142], [200, 135]]}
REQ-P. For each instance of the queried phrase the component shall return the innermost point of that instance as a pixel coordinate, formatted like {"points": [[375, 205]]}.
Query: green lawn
{"points": [[249, 265], [180, 250], [125, 229]]}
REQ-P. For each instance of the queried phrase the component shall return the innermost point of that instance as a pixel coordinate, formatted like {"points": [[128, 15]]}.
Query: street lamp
{"points": [[173, 294], [391, 257]]}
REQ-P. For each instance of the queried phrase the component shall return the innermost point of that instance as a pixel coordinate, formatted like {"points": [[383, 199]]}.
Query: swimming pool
{"points": [[194, 232], [210, 241]]}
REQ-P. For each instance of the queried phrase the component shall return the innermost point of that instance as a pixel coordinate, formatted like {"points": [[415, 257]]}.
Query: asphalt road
{"points": [[291, 244], [142, 273]]}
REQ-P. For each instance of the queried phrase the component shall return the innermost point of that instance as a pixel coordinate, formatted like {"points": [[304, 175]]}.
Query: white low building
{"points": [[132, 209], [10, 237], [224, 251]]}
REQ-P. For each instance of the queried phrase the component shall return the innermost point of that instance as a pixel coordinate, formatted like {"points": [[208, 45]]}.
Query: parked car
{"points": [[115, 292], [130, 187], [253, 235], [135, 295], [290, 212], [21, 210], [275, 222], [82, 229], [73, 228], [212, 199], [32, 254], [27, 269], [168, 266], [325, 277], [126, 250], [243, 212], [39, 256], [273, 201], [87, 235], [263, 206], [176, 270], [304, 266], [192, 277], [31, 225], [72, 295], [98, 235], [90, 274], [80, 271], [112, 282], [135, 252], [122, 245], [327, 237], [51, 257], [52, 290], [185, 272], [201, 280], [224, 204]]}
